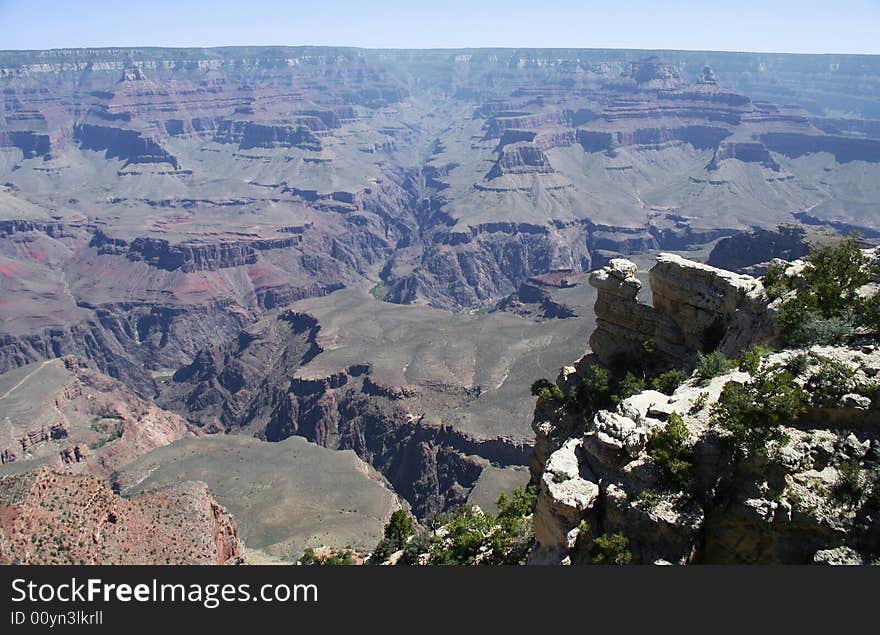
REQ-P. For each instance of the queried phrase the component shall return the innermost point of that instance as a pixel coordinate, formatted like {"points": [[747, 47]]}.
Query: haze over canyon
{"points": [[314, 284]]}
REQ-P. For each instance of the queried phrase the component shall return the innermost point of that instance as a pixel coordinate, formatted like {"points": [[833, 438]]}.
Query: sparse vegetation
{"points": [[107, 426], [829, 383], [649, 499], [667, 382], [806, 329], [871, 390], [753, 411], [711, 365], [399, 528], [466, 535], [798, 364], [547, 391], [828, 309], [613, 549], [750, 361], [311, 558], [595, 391], [627, 387], [699, 403], [671, 451], [501, 539], [584, 527], [379, 291], [850, 486], [775, 281]]}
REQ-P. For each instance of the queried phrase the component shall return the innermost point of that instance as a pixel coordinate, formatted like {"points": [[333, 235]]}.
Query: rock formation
{"points": [[805, 498], [50, 518], [78, 420], [695, 308]]}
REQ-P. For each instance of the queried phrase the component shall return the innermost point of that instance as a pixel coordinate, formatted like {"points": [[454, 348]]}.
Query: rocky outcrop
{"points": [[503, 122], [804, 496], [712, 308], [126, 341], [32, 144], [520, 158], [694, 308], [223, 389], [748, 152], [120, 143], [779, 507], [623, 325], [51, 518], [190, 257], [536, 290], [484, 263]]}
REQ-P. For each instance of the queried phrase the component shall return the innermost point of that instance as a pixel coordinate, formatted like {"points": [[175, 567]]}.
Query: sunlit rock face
{"points": [[596, 472]]}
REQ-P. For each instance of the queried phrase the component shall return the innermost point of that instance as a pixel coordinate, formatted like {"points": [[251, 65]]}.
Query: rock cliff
{"points": [[694, 308], [78, 420], [668, 477]]}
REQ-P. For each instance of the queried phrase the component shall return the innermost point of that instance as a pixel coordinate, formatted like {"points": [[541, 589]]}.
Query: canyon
{"points": [[347, 265]]}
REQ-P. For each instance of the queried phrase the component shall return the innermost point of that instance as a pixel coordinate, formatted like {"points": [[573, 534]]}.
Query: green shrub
{"points": [[518, 504], [670, 450], [398, 529], [829, 383], [798, 364], [108, 427], [467, 530], [711, 365], [420, 544], [667, 382], [627, 387], [595, 390], [849, 487], [583, 527], [776, 284], [649, 499], [346, 558], [869, 313], [802, 326], [613, 549], [753, 411], [699, 403], [546, 390], [834, 273], [751, 360], [310, 558], [540, 384], [502, 539], [828, 308]]}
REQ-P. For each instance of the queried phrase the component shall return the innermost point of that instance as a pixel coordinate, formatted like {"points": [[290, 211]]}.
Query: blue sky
{"points": [[841, 26]]}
